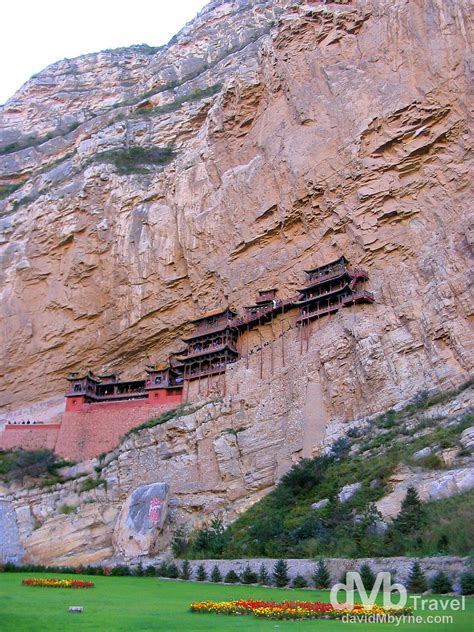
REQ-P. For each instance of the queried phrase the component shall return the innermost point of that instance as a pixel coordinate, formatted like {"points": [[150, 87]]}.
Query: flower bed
{"points": [[292, 609], [58, 583]]}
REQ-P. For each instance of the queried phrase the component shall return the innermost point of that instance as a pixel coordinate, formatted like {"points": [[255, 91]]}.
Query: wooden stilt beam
{"points": [[282, 344]]}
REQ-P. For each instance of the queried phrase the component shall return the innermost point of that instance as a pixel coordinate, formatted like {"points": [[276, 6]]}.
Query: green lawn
{"points": [[128, 604]]}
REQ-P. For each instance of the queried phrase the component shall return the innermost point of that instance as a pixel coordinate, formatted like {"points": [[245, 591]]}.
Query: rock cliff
{"points": [[141, 187], [338, 128]]}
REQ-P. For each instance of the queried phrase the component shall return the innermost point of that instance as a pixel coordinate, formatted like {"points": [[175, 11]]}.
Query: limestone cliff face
{"points": [[339, 128]]}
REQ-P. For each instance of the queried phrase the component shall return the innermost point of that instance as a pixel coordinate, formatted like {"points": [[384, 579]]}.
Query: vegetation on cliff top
{"points": [[283, 523]]}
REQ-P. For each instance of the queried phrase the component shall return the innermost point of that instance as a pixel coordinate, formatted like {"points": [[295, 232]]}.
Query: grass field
{"points": [[128, 604]]}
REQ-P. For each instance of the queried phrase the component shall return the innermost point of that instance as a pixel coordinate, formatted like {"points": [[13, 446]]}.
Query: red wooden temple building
{"points": [[330, 287], [212, 345]]}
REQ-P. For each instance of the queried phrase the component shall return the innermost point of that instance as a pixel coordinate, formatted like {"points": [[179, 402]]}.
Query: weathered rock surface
{"points": [[141, 519], [429, 485]]}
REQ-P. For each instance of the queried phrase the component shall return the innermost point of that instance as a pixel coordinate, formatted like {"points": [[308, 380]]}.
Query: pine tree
{"points": [[186, 570], [417, 581], [321, 578], [467, 583], [412, 516], [249, 576], [263, 576], [299, 582], [232, 577], [441, 584], [280, 574], [172, 571], [201, 574], [443, 542], [216, 575], [367, 577], [162, 569]]}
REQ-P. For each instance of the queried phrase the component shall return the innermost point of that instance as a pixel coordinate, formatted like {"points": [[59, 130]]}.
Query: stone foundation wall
{"points": [[453, 566], [11, 549]]}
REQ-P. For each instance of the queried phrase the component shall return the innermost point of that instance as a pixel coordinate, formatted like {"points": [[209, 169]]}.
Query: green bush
{"points": [[121, 570], [201, 573], [467, 583], [441, 584], [417, 581], [321, 577], [135, 159], [299, 582], [232, 577], [67, 509], [150, 571], [92, 483], [180, 541], [216, 576], [249, 576], [172, 571], [211, 539], [14, 464], [280, 574]]}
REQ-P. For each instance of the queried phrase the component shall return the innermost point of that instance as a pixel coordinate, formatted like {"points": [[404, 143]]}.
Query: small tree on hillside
{"points": [[321, 578], [417, 581], [263, 576], [180, 541], [201, 574], [216, 576], [280, 574], [412, 516]]}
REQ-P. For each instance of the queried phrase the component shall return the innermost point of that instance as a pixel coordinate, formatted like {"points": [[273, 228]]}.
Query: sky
{"points": [[37, 33]]}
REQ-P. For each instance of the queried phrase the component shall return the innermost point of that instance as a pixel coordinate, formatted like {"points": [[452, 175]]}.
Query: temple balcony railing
{"points": [[204, 330], [334, 273], [321, 295], [196, 353], [360, 296], [321, 311], [196, 373], [327, 274]]}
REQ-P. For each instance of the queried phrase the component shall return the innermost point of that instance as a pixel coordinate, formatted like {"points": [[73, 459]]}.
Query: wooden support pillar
{"points": [[282, 344]]}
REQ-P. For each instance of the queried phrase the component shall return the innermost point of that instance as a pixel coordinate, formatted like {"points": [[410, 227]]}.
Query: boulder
{"points": [[141, 519], [422, 454], [320, 504], [348, 491], [467, 439]]}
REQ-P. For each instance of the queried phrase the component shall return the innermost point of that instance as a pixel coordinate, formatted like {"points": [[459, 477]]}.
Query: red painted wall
{"points": [[99, 427], [32, 437], [87, 430]]}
